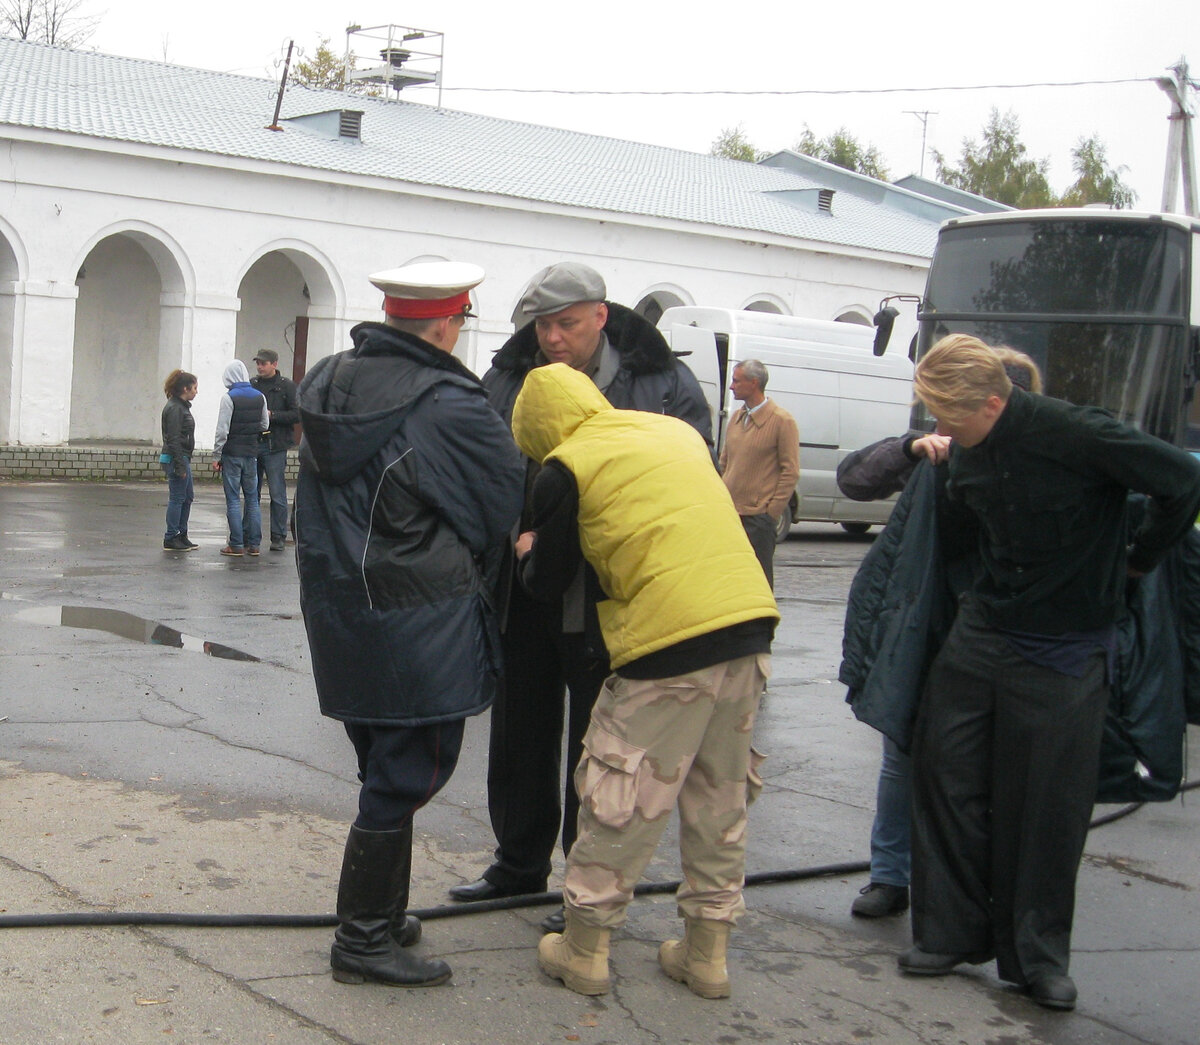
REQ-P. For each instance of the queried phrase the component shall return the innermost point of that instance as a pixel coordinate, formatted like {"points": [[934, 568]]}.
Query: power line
{"points": [[814, 91]]}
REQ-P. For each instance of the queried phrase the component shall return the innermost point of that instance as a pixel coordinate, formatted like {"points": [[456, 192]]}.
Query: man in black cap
{"points": [[273, 444], [547, 648], [409, 486]]}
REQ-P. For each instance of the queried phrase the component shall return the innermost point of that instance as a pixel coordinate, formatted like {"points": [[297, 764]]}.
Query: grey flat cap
{"points": [[558, 286]]}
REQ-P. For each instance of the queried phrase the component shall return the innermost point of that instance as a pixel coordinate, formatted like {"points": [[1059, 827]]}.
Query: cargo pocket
{"points": [[763, 660], [607, 777], [754, 781]]}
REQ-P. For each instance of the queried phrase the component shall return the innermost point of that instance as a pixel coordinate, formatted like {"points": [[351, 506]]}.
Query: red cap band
{"points": [[436, 308]]}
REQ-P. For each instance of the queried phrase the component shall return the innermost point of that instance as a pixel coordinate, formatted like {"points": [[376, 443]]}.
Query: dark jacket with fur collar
{"points": [[650, 377]]}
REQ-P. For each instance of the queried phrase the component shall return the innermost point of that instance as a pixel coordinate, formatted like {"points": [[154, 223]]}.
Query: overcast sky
{"points": [[752, 45]]}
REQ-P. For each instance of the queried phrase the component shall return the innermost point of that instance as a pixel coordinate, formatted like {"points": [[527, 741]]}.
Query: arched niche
{"points": [[656, 301], [128, 335], [289, 303]]}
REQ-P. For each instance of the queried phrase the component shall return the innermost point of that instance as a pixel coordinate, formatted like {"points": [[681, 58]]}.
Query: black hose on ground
{"points": [[429, 914]]}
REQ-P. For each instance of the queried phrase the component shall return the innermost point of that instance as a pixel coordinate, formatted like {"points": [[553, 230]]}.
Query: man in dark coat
{"points": [[547, 648], [409, 486], [273, 444]]}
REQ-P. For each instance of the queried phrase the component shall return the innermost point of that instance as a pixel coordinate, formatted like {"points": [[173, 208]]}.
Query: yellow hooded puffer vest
{"points": [[655, 520]]}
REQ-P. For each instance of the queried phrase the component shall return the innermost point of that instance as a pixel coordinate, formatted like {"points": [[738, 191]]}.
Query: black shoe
{"points": [[179, 543], [926, 963], [188, 541], [878, 900], [1053, 990], [556, 922], [372, 926], [276, 544], [485, 890]]}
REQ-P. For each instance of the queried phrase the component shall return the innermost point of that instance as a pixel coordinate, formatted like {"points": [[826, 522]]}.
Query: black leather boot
{"points": [[405, 928], [372, 896]]}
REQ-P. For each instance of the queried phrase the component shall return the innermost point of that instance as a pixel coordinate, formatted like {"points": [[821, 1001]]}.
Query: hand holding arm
{"points": [[935, 447]]}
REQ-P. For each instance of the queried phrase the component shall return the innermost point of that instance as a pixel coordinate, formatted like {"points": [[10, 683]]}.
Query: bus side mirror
{"points": [[884, 320]]}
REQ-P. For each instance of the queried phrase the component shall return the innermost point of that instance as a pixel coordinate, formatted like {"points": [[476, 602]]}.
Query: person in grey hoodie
{"points": [[241, 418]]}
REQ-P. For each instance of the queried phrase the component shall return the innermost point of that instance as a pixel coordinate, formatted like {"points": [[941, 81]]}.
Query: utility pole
{"points": [[923, 116], [1181, 154]]}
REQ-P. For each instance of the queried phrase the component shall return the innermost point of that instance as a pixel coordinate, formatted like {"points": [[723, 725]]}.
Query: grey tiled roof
{"points": [[168, 106]]}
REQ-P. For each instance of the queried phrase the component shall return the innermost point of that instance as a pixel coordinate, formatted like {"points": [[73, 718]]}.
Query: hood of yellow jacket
{"points": [[554, 401]]}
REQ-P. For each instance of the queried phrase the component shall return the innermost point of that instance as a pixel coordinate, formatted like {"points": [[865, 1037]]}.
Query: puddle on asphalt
{"points": [[128, 626]]}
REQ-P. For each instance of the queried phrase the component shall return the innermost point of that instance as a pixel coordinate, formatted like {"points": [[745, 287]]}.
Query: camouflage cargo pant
{"points": [[652, 745]]}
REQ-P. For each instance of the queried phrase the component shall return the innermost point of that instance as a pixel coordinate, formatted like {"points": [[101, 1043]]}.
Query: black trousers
{"points": [[526, 797], [760, 529], [401, 769], [1005, 758]]}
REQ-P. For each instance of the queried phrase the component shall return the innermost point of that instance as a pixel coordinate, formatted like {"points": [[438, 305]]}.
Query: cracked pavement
{"points": [[138, 774]]}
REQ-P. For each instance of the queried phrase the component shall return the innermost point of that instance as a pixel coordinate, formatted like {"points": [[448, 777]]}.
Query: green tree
{"points": [[733, 144], [842, 149], [998, 168], [1096, 181], [55, 22], [324, 69]]}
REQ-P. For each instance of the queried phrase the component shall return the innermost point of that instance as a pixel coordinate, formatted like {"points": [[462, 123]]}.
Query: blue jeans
{"points": [[272, 464], [239, 475], [891, 846], [179, 499]]}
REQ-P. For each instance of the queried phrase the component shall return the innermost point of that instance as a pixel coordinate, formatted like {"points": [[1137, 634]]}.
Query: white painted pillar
{"points": [[8, 387], [43, 356], [210, 350]]}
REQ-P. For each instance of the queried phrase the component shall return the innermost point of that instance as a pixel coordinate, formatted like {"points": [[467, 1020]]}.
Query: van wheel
{"points": [[783, 525], [856, 528]]}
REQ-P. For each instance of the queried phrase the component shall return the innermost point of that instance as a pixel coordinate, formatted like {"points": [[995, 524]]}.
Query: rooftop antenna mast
{"points": [[923, 116], [274, 124], [409, 57]]}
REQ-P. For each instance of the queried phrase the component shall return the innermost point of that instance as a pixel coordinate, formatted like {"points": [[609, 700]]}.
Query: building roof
{"points": [[969, 201], [154, 104]]}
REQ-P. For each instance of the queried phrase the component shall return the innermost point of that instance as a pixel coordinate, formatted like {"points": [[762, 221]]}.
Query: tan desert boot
{"points": [[578, 956], [699, 958]]}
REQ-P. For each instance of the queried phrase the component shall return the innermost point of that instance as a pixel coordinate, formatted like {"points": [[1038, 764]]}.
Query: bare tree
{"points": [[60, 23]]}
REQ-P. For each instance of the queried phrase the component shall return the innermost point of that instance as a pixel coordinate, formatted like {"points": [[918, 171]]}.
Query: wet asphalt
{"points": [[161, 750]]}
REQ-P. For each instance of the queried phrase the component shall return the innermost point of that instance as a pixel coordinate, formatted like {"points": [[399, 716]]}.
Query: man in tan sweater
{"points": [[760, 461]]}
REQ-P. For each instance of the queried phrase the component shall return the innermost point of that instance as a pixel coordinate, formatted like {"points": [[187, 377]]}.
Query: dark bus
{"points": [[1106, 302]]}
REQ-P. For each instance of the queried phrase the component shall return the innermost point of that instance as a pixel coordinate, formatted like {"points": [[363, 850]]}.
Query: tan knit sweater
{"points": [[760, 462]]}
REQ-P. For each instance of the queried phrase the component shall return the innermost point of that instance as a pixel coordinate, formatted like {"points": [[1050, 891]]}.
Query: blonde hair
{"points": [[958, 375], [1018, 362]]}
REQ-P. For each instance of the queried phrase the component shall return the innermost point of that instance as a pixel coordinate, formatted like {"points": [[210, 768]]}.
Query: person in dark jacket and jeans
{"points": [[549, 648], [241, 419], [179, 442], [870, 474], [409, 487], [273, 444], [1007, 739]]}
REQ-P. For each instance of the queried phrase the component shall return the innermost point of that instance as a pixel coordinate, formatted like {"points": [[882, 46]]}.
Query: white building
{"points": [[150, 219]]}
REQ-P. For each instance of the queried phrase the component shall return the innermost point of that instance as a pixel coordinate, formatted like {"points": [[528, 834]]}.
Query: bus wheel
{"points": [[856, 528]]}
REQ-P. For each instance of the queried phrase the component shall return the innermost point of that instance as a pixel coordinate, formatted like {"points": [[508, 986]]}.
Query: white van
{"points": [[824, 374]]}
